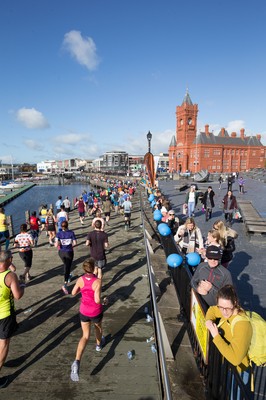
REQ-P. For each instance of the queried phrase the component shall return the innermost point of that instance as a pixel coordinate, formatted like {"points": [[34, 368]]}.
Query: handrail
{"points": [[166, 382]]}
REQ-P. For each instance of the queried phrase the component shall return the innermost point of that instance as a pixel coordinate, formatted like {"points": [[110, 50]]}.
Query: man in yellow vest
{"points": [[10, 289]]}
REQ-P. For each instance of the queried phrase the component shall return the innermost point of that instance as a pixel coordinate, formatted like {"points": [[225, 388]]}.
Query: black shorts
{"points": [[4, 235], [107, 214], [8, 326], [26, 256], [95, 320]]}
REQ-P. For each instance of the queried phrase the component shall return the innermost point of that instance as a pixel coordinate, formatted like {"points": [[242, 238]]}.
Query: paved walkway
{"points": [[248, 265], [41, 353]]}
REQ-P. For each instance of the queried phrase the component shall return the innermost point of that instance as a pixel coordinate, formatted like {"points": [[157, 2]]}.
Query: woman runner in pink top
{"points": [[91, 311]]}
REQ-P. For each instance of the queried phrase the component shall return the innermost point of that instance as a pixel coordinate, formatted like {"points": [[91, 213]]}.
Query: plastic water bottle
{"points": [[149, 318], [150, 339], [153, 348], [130, 355]]}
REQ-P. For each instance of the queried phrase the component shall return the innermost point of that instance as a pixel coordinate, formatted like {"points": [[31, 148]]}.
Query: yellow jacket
{"points": [[233, 346]]}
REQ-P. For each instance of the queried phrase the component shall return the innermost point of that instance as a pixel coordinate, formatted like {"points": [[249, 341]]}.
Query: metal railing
{"points": [[165, 383]]}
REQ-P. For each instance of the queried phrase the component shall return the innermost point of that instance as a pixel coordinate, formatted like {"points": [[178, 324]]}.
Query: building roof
{"points": [[187, 99], [173, 141], [226, 140]]}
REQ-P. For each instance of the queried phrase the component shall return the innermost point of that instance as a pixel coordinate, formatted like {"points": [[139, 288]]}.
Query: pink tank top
{"points": [[88, 306]]}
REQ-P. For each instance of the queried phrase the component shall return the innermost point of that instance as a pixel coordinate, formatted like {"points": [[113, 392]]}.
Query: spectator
{"points": [[229, 205], [172, 221], [191, 200], [228, 236], [208, 202], [189, 237], [220, 180], [232, 337], [210, 276], [230, 181], [241, 184]]}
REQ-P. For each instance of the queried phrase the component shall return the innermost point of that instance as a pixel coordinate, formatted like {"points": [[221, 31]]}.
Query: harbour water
{"points": [[38, 195]]}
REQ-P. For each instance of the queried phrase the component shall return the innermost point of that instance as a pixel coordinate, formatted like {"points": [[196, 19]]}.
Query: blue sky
{"points": [[81, 77]]}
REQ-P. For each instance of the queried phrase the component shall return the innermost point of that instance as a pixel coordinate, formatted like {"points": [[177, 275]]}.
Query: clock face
{"points": [[189, 121], [181, 122]]}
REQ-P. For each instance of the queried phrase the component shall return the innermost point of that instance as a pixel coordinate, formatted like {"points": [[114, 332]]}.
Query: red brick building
{"points": [[222, 153]]}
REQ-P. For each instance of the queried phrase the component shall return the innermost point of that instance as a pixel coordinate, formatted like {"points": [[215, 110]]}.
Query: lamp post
{"points": [[149, 136]]}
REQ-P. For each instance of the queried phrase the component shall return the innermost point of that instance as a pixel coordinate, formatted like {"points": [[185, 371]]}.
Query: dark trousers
{"points": [[67, 258]]}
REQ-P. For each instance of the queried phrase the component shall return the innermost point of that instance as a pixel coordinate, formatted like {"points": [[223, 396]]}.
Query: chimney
{"points": [[242, 133], [233, 134], [223, 132], [258, 137], [207, 130]]}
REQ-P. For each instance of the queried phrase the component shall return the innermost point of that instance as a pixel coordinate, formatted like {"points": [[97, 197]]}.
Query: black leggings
{"points": [[26, 256], [67, 258]]}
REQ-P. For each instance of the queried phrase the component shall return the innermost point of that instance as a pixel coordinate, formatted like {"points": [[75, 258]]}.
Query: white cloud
{"points": [[235, 126], [82, 49], [31, 118], [69, 138], [33, 145]]}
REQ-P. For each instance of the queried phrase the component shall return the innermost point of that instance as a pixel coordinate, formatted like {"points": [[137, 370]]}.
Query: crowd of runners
{"points": [[95, 208]]}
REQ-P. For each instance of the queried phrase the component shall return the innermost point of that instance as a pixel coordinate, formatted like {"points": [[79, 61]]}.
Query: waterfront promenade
{"points": [[44, 347]]}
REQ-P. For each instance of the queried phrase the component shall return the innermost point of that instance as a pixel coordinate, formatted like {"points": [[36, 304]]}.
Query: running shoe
{"points": [[74, 376], [3, 382], [64, 288], [101, 345]]}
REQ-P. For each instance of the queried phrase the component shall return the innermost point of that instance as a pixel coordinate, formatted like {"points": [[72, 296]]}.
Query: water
{"points": [[38, 195]]}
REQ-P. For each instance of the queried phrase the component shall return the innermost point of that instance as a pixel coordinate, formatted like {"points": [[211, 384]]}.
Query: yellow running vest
{"points": [[6, 297]]}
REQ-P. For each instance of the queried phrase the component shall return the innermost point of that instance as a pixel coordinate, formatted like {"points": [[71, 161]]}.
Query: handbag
{"points": [[236, 214]]}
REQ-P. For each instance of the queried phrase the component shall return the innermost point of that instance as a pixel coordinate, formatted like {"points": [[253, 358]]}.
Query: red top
{"points": [[34, 223], [88, 306]]}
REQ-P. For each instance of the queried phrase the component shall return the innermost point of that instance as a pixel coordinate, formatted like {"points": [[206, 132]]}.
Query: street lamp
{"points": [[149, 136]]}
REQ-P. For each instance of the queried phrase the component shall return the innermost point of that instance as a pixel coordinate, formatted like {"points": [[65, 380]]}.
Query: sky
{"points": [[79, 78]]}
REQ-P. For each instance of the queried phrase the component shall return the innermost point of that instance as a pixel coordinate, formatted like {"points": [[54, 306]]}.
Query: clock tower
{"points": [[186, 122], [186, 131]]}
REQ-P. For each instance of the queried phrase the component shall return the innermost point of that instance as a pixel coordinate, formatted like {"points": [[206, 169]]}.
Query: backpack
{"points": [[257, 349]]}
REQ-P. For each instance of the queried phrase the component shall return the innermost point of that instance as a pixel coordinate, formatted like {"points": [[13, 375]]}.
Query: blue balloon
{"points": [[157, 215], [151, 197], [164, 229], [193, 259], [153, 203], [174, 260]]}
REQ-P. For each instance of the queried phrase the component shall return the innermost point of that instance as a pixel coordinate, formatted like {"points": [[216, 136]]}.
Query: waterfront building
{"points": [[222, 153]]}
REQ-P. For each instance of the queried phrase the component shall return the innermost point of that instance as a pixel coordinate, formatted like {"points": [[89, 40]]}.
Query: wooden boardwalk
{"points": [[44, 347]]}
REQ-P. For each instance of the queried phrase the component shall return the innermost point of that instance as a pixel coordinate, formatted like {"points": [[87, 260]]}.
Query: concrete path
{"points": [[44, 347], [248, 267]]}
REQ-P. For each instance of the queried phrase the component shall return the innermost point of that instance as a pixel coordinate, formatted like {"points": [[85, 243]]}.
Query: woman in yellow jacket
{"points": [[231, 339]]}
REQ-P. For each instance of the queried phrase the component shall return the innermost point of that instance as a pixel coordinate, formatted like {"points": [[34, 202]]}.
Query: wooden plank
{"points": [[254, 228]]}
